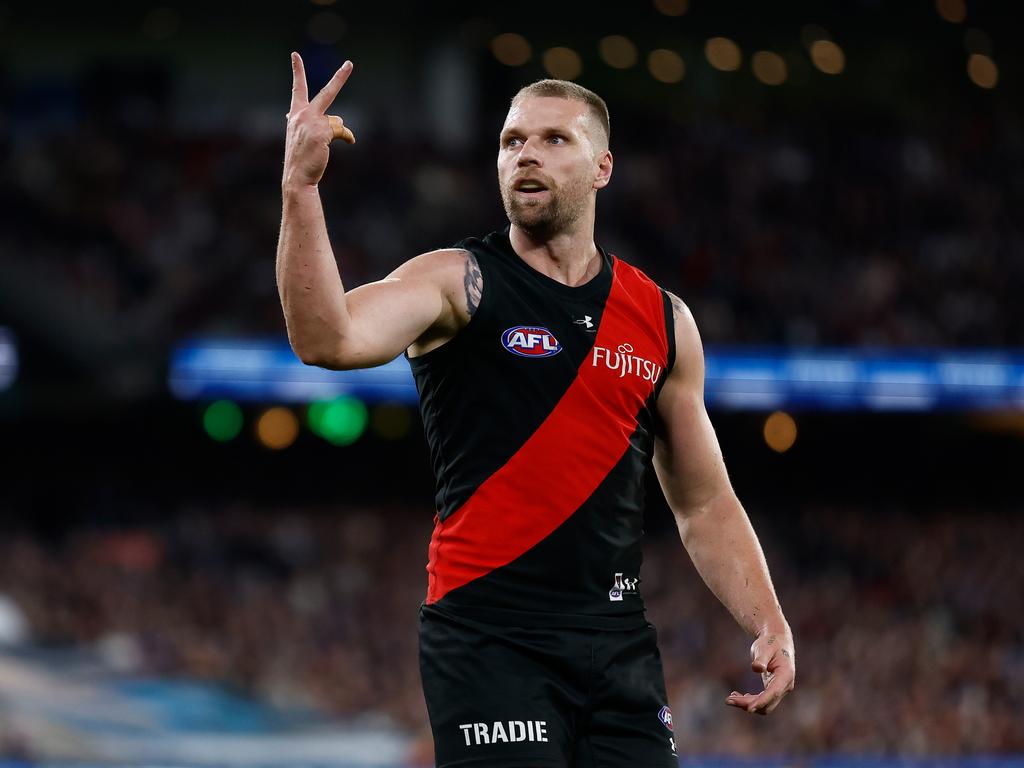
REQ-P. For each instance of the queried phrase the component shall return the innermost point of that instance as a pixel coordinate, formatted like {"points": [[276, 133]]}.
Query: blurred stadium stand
{"points": [[230, 579]]}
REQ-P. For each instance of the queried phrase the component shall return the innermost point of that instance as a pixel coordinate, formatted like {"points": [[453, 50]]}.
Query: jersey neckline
{"points": [[600, 281]]}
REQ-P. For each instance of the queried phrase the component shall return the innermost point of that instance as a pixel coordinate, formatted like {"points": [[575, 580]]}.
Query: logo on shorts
{"points": [[504, 732], [622, 587], [665, 715], [530, 341]]}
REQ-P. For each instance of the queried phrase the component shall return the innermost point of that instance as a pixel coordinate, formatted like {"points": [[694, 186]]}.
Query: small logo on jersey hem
{"points": [[665, 715], [622, 587], [530, 341]]}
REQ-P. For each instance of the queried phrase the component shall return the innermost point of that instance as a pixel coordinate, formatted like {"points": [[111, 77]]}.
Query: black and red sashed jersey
{"points": [[539, 416]]}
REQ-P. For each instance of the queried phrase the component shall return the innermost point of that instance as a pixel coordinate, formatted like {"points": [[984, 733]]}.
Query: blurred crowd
{"points": [[122, 234], [909, 635]]}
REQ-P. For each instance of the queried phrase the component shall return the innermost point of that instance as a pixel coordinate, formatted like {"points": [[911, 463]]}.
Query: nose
{"points": [[529, 155]]}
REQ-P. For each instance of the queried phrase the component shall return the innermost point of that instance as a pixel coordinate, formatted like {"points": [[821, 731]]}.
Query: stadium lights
{"points": [[277, 428], [339, 422], [780, 431], [982, 70], [828, 57], [953, 11], [672, 7], [723, 54], [562, 63], [737, 378], [511, 49], [769, 68], [666, 66], [222, 420], [618, 51]]}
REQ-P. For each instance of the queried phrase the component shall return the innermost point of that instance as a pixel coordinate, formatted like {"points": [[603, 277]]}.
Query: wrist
{"points": [[293, 188], [777, 625]]}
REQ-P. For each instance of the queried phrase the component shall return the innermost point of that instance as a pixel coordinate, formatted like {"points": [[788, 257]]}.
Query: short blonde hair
{"points": [[566, 89]]}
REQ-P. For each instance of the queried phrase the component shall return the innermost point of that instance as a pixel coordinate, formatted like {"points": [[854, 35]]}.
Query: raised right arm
{"points": [[372, 324]]}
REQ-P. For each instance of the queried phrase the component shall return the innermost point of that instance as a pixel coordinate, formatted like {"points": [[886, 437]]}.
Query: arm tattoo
{"points": [[473, 280], [678, 307]]}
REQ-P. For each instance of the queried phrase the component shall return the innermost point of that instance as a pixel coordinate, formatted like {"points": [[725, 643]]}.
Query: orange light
{"points": [[722, 53], [982, 70], [769, 68], [828, 57], [562, 63], [666, 66], [672, 7], [780, 431], [277, 428], [511, 49], [618, 51], [953, 11]]}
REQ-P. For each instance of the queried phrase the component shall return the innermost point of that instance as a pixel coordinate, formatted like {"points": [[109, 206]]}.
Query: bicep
{"points": [[388, 315], [687, 457]]}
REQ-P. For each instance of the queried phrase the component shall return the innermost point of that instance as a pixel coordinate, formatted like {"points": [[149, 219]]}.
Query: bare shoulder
{"points": [[689, 349], [682, 318], [432, 264], [456, 273]]}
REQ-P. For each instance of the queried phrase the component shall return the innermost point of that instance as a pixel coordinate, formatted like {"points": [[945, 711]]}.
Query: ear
{"points": [[604, 170]]}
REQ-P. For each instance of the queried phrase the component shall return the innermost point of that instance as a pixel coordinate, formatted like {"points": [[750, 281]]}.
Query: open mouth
{"points": [[530, 187]]}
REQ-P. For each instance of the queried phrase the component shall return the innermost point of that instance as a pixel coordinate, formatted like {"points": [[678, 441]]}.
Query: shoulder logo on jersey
{"points": [[530, 341], [665, 715]]}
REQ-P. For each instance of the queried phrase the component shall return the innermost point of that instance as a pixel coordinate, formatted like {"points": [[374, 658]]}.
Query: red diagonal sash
{"points": [[558, 468]]}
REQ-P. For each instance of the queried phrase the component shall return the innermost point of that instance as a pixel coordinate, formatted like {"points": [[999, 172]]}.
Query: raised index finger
{"points": [[300, 95], [329, 92]]}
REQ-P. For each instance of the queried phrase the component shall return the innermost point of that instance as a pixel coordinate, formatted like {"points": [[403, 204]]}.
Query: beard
{"points": [[543, 219]]}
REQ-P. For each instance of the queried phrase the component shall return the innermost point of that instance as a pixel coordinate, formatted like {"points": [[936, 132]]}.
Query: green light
{"points": [[222, 420], [340, 422]]}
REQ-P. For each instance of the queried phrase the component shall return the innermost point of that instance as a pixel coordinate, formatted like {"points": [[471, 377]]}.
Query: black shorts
{"points": [[511, 697]]}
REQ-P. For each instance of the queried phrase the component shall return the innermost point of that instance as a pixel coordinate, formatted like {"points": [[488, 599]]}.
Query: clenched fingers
{"points": [[339, 130]]}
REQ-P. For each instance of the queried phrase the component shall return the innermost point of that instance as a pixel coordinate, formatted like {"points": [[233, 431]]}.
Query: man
{"points": [[551, 375]]}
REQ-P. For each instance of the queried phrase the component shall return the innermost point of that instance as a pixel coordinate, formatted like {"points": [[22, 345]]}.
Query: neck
{"points": [[570, 257]]}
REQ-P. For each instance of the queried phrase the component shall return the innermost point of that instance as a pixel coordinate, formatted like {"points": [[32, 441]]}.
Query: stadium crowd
{"points": [[811, 232], [909, 638]]}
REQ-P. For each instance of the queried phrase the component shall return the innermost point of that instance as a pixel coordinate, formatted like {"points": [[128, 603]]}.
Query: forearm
{"points": [[310, 287], [725, 550]]}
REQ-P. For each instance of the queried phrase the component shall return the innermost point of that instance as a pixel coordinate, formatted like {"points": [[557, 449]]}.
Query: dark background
{"points": [[140, 160]]}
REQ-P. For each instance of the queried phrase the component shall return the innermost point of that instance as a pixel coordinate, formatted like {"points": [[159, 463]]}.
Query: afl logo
{"points": [[530, 341], [665, 715]]}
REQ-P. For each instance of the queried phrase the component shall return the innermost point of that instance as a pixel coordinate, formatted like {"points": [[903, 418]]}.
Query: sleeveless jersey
{"points": [[539, 417]]}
